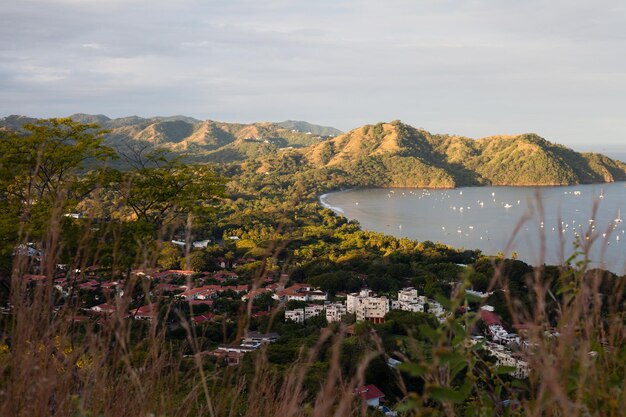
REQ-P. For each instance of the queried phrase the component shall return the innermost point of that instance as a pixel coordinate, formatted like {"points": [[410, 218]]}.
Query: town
{"points": [[209, 297]]}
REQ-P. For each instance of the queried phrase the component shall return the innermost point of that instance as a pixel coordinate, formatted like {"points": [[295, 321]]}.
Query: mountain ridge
{"points": [[405, 156], [385, 154]]}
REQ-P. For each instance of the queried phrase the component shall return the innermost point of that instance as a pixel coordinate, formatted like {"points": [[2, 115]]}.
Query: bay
{"points": [[540, 224]]}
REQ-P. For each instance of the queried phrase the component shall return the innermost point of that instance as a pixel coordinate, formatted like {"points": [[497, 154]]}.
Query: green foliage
{"points": [[40, 167], [162, 194]]}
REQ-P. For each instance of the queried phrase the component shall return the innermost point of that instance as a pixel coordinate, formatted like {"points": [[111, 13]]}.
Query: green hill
{"points": [[306, 127], [404, 156], [380, 155]]}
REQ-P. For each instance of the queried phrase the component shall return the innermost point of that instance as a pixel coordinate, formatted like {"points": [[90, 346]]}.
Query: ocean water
{"points": [[540, 224]]}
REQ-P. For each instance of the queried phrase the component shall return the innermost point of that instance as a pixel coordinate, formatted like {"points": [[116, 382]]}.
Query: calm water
{"points": [[486, 218]]}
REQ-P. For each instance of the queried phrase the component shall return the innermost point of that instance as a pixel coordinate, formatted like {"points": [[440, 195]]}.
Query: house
{"points": [[312, 310], [225, 275], [436, 309], [148, 312], [263, 338], [296, 315], [34, 278], [201, 244], [90, 285], [300, 315], [243, 348], [367, 307], [300, 292], [489, 317], [231, 358], [335, 311], [407, 295], [105, 308], [251, 295], [409, 300], [201, 293], [478, 294], [505, 357], [370, 394]]}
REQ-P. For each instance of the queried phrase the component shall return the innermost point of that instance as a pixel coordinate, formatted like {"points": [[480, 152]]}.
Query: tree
{"points": [[169, 256], [160, 195], [42, 171], [197, 261]]}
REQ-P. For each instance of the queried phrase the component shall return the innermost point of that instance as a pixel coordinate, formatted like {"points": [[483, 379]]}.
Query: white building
{"points": [[506, 358], [300, 292], [435, 309], [312, 310], [300, 315], [296, 315], [335, 311], [367, 307], [407, 295], [500, 335], [408, 300]]}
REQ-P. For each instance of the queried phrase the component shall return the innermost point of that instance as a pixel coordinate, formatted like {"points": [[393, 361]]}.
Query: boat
{"points": [[507, 205], [619, 216]]}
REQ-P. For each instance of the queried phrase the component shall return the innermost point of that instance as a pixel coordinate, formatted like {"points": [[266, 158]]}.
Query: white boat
{"points": [[619, 216], [507, 206]]}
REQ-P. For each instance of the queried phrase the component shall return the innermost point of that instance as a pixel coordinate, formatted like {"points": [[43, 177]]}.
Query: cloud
{"points": [[476, 67]]}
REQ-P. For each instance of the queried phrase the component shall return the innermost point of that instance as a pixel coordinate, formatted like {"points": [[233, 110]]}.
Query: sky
{"points": [[474, 68]]}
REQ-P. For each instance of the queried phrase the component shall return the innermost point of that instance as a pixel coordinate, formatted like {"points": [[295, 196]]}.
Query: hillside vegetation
{"points": [[382, 155], [410, 157], [104, 313], [202, 141]]}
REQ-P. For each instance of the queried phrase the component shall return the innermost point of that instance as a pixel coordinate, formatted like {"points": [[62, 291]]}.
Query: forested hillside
{"points": [[382, 155]]}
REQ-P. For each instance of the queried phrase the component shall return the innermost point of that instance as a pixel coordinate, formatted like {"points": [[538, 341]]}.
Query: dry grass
{"points": [[52, 365]]}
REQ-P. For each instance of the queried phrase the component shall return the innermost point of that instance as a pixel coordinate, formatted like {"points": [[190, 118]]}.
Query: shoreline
{"points": [[616, 266]]}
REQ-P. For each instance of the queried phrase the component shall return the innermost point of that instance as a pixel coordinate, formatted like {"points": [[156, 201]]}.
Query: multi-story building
{"points": [[407, 295], [300, 315], [296, 315], [505, 357], [335, 311], [367, 307], [312, 310], [408, 300]]}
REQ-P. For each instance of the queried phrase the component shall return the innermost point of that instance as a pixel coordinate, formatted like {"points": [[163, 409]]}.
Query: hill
{"points": [[206, 140], [200, 140], [390, 154], [403, 156], [306, 127]]}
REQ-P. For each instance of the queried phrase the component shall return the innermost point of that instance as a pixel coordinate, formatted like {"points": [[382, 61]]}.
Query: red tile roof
{"points": [[368, 392], [201, 302], [255, 293], [104, 308], [150, 311], [203, 318], [295, 289], [31, 277], [489, 318]]}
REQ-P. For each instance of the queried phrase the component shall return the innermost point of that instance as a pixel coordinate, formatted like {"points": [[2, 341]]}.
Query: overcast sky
{"points": [[474, 68]]}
